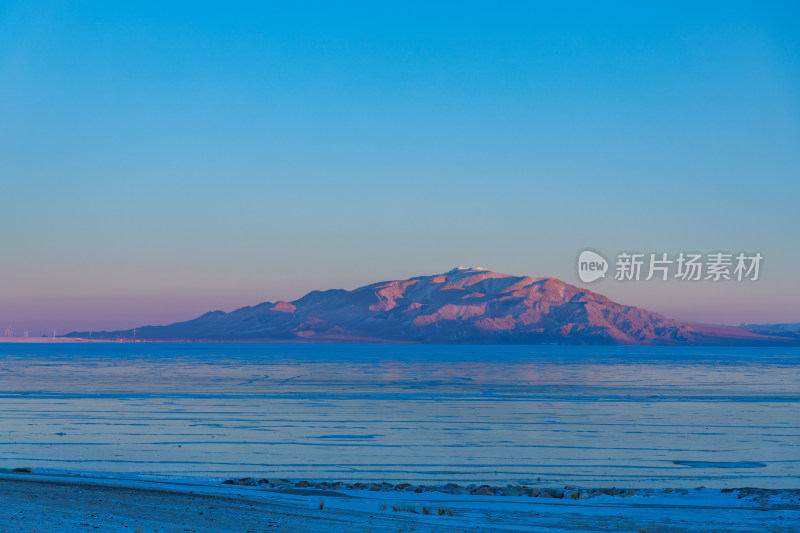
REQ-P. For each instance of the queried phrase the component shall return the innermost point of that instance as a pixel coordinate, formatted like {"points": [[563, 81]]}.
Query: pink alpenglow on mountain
{"points": [[464, 305]]}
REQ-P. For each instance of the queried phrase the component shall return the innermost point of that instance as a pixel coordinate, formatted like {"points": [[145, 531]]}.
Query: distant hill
{"points": [[786, 330], [772, 327], [464, 305]]}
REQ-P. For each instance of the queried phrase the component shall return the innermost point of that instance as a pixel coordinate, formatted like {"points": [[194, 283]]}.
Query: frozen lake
{"points": [[588, 416]]}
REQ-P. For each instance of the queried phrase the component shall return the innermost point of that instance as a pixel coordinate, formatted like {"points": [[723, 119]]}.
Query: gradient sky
{"points": [[162, 159]]}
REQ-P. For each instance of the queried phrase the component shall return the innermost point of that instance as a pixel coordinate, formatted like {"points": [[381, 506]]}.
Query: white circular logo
{"points": [[591, 266]]}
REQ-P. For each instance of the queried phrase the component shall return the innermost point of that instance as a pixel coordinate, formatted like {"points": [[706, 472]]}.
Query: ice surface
{"points": [[549, 415]]}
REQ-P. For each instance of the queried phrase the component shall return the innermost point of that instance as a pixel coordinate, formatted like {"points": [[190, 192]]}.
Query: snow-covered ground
{"points": [[49, 503]]}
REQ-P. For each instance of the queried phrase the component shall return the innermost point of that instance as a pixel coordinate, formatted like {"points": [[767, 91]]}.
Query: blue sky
{"points": [[160, 160]]}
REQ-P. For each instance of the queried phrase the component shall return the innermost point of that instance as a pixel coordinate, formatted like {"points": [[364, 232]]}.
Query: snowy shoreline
{"points": [[39, 502]]}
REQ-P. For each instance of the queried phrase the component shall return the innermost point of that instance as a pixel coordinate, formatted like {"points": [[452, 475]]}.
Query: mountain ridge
{"points": [[462, 306]]}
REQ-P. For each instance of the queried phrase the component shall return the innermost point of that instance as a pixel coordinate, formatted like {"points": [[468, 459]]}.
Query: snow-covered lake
{"points": [[587, 416]]}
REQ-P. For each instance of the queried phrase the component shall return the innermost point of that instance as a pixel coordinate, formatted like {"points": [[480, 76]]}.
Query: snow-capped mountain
{"points": [[464, 305]]}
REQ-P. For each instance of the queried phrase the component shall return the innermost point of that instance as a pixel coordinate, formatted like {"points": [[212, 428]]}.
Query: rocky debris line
{"points": [[568, 492], [764, 495]]}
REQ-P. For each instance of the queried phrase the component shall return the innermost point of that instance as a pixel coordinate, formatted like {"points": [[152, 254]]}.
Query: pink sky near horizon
{"points": [[159, 162]]}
